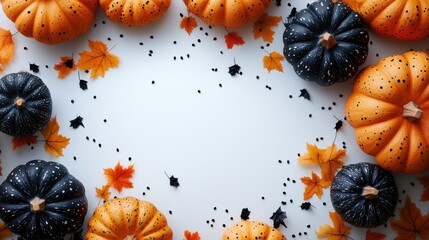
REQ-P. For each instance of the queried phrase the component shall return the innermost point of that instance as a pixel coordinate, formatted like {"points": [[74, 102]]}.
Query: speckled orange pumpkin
{"points": [[389, 109], [126, 219], [51, 21], [233, 13], [402, 19], [134, 12], [252, 230]]}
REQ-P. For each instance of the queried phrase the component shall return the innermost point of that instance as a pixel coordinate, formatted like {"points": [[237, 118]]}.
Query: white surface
{"points": [[223, 143]]}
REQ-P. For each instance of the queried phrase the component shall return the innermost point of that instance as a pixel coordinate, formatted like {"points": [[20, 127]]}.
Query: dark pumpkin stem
{"points": [[19, 103], [369, 192], [327, 40], [130, 237], [37, 204], [412, 111]]}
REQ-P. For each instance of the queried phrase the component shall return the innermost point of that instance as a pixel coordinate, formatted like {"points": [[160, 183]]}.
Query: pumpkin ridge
{"points": [[149, 227], [66, 18]]}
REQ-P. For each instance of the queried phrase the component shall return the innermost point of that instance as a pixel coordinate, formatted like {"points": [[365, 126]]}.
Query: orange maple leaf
{"points": [[273, 61], [54, 142], [191, 236], [331, 161], [188, 23], [103, 192], [374, 235], [7, 48], [338, 232], [425, 182], [65, 66], [4, 231], [312, 156], [232, 39], [98, 60], [263, 27], [411, 223], [119, 177], [313, 185], [18, 142]]}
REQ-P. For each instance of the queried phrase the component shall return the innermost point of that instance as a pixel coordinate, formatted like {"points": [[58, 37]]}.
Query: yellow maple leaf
{"points": [[98, 60], [65, 66], [188, 23], [7, 48], [338, 232], [313, 186], [263, 27], [103, 192], [273, 61], [119, 177], [54, 142], [311, 157]]}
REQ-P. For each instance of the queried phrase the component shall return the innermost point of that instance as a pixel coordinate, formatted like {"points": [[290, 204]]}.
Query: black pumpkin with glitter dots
{"points": [[325, 42], [42, 200], [25, 104]]}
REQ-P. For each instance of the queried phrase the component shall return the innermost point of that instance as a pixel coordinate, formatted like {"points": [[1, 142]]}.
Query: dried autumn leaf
{"points": [[54, 142], [7, 48], [232, 39], [331, 161], [311, 157], [374, 235], [411, 223], [119, 177], [103, 192], [65, 66], [191, 236], [273, 61], [338, 232], [4, 231], [98, 60], [18, 142], [263, 27], [313, 185], [425, 182], [188, 23]]}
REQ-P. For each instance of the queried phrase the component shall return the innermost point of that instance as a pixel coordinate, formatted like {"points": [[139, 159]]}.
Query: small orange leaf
{"points": [[119, 177], [263, 27], [7, 48], [4, 231], [313, 185], [374, 235], [331, 161], [188, 23], [338, 232], [103, 192], [18, 142], [65, 66], [273, 61], [232, 39], [98, 60], [411, 223], [311, 157], [425, 182], [191, 236], [54, 143]]}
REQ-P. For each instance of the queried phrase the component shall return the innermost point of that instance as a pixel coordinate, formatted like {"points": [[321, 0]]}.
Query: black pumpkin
{"points": [[364, 194], [25, 104], [326, 42], [41, 200]]}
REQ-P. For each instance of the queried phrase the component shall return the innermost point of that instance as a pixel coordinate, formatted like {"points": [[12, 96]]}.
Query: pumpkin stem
{"points": [[327, 40], [412, 111], [130, 237], [369, 192], [19, 102], [37, 204]]}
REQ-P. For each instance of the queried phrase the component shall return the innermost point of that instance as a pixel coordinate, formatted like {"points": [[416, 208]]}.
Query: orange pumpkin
{"points": [[126, 219], [51, 21], [389, 109], [252, 230], [227, 13], [402, 19], [134, 12]]}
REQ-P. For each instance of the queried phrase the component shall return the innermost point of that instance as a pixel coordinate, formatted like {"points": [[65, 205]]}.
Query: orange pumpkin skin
{"points": [[51, 21], [389, 109], [402, 19], [252, 230], [128, 218], [134, 12], [228, 13]]}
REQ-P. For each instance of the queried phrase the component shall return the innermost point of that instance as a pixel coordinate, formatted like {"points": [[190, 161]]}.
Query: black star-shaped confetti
{"points": [[338, 124], [75, 123], [83, 84], [234, 69], [173, 181], [244, 214], [34, 67], [278, 218], [305, 206], [304, 93]]}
